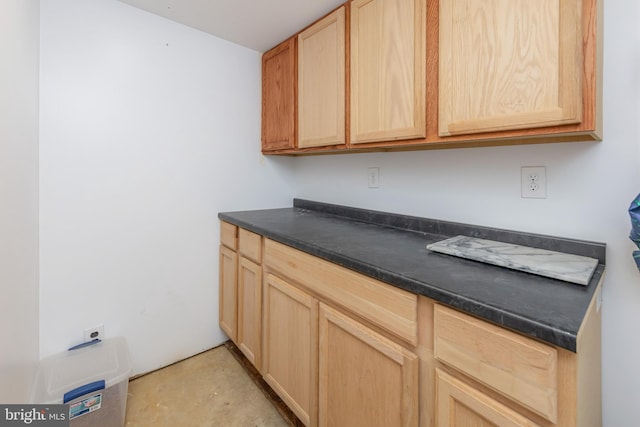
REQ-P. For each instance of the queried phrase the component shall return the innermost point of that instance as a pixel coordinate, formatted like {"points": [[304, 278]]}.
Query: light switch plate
{"points": [[373, 174]]}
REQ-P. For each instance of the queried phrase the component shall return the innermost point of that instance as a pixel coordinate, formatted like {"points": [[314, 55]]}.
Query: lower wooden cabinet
{"points": [[332, 361], [290, 346], [343, 349], [459, 404], [240, 289], [228, 291], [486, 375], [520, 368], [365, 379], [249, 309]]}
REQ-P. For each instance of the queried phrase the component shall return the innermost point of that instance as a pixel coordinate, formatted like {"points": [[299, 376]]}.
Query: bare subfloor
{"points": [[209, 389]]}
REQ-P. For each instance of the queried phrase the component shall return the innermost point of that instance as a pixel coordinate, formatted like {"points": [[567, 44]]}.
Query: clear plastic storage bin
{"points": [[91, 378]]}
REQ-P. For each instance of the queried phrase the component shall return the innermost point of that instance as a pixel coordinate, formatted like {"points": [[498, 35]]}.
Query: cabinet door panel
{"points": [[365, 379], [459, 404], [520, 368], [290, 346], [321, 82], [387, 70], [249, 309], [228, 292], [279, 97], [509, 64]]}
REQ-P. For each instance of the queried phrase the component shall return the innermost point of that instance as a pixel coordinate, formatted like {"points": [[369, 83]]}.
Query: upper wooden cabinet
{"points": [[437, 74], [509, 64], [279, 97], [321, 82], [388, 61]]}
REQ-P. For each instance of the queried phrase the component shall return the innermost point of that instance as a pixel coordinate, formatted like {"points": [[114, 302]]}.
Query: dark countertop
{"points": [[392, 248]]}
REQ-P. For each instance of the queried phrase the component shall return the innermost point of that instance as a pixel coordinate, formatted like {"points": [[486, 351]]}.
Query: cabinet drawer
{"points": [[250, 245], [520, 368], [388, 307], [229, 235]]}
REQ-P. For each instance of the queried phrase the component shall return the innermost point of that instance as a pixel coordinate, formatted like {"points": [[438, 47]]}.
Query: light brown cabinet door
{"points": [[387, 70], [321, 82], [249, 309], [509, 64], [228, 291], [364, 378], [279, 97], [524, 370], [290, 346], [459, 404]]}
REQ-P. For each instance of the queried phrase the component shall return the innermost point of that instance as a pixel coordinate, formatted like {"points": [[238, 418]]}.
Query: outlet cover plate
{"points": [[96, 332], [534, 182]]}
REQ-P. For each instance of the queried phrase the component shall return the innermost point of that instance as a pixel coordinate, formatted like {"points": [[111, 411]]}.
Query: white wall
{"points": [[19, 20], [589, 186], [148, 130]]}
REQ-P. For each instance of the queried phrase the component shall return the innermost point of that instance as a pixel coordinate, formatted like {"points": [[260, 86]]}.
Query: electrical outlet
{"points": [[95, 333], [534, 182], [373, 174]]}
